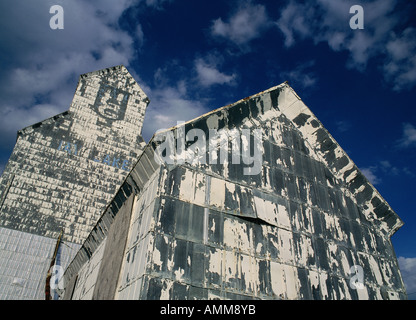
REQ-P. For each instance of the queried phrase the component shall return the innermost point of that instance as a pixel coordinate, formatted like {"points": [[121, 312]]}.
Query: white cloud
{"points": [[384, 168], [408, 271], [294, 21], [20, 117], [139, 34], [246, 24], [208, 74], [370, 174], [40, 66], [170, 102], [328, 21], [409, 136], [400, 63], [300, 75], [181, 101], [168, 105]]}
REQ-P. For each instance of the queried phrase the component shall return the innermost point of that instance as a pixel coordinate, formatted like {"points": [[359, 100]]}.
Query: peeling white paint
{"points": [[179, 274], [232, 266], [217, 192], [250, 273], [375, 269], [314, 280], [277, 279], [285, 246], [213, 226], [266, 210], [283, 216], [291, 278], [362, 293], [165, 293], [322, 283], [216, 262], [156, 257], [235, 261]]}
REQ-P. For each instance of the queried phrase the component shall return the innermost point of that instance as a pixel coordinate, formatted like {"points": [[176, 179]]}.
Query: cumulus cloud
{"points": [[370, 174], [328, 21], [40, 66], [294, 21], [408, 271], [208, 73], [171, 101], [246, 24], [400, 63], [169, 105], [384, 168], [301, 76], [409, 136]]}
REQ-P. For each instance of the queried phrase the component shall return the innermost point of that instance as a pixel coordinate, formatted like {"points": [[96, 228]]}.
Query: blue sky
{"points": [[194, 56]]}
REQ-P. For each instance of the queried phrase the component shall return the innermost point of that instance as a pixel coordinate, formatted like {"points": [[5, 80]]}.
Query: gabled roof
{"points": [[116, 70], [374, 206], [49, 120], [284, 101]]}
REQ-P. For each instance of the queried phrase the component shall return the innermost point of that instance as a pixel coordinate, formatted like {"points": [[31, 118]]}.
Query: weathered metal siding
{"points": [[64, 170], [206, 249], [113, 254], [140, 241], [24, 262], [87, 277], [293, 231], [141, 184]]}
